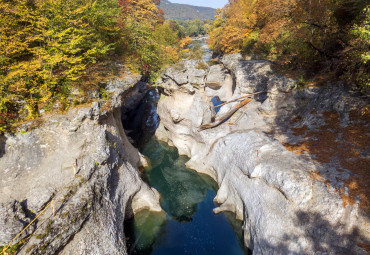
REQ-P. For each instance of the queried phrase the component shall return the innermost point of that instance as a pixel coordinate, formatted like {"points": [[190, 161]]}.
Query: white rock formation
{"points": [[285, 209], [84, 162]]}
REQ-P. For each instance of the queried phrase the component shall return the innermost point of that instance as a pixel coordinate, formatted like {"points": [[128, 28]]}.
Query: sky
{"points": [[207, 3]]}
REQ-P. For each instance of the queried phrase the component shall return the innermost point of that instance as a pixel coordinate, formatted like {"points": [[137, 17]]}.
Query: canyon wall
{"points": [[84, 163], [279, 161]]}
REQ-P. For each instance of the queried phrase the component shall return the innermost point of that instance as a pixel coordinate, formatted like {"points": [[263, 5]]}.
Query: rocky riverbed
{"points": [[292, 164]]}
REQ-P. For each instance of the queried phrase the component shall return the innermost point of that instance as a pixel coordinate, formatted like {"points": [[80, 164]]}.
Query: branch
{"points": [[319, 51], [231, 101], [226, 115], [313, 24]]}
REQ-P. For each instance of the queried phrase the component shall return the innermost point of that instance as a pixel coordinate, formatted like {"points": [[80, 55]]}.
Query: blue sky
{"points": [[208, 3]]}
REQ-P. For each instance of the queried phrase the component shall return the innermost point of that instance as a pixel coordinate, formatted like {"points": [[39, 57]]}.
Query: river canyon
{"points": [[285, 174]]}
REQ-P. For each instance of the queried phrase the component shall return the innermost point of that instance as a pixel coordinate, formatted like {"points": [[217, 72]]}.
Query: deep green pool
{"points": [[188, 225]]}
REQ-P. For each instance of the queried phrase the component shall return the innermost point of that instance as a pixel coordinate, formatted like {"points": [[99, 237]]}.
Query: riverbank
{"points": [[82, 168], [279, 161], [291, 164]]}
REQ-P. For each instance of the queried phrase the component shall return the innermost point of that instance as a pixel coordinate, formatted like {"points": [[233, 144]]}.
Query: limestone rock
{"points": [[196, 72], [216, 76], [84, 162], [179, 76], [250, 76], [196, 76], [285, 208]]}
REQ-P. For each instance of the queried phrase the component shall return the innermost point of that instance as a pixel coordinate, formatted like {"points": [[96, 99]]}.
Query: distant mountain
{"points": [[186, 12]]}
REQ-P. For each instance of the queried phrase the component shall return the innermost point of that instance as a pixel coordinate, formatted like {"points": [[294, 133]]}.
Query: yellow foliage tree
{"points": [[45, 46], [232, 25]]}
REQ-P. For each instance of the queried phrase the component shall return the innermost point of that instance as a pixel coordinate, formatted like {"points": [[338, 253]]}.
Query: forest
{"points": [[315, 39], [184, 12], [195, 27], [50, 48]]}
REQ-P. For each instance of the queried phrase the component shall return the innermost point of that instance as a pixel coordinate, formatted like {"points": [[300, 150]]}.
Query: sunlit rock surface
{"points": [[84, 162], [290, 188]]}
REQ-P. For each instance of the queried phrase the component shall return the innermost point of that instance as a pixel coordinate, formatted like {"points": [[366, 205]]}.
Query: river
{"points": [[188, 225]]}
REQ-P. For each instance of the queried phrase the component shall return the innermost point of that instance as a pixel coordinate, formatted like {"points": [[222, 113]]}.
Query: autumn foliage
{"points": [[46, 46], [310, 35]]}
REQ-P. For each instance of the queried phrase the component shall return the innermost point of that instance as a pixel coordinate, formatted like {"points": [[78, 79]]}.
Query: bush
{"points": [[358, 65]]}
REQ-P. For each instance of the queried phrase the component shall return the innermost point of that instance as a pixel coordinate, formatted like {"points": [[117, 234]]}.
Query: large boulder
{"points": [[250, 76], [196, 76], [196, 70], [181, 116], [219, 82], [177, 74], [216, 76]]}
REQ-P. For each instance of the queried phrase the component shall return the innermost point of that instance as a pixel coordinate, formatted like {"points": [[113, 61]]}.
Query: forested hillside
{"points": [[51, 48], [193, 27], [314, 37], [186, 12]]}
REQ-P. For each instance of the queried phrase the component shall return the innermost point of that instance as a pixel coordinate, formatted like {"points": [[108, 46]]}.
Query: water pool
{"points": [[188, 225]]}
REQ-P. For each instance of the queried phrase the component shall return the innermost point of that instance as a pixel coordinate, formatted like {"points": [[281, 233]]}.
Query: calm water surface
{"points": [[188, 225]]}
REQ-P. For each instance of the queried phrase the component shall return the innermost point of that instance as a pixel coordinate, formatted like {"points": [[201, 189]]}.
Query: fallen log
{"points": [[231, 101], [226, 116]]}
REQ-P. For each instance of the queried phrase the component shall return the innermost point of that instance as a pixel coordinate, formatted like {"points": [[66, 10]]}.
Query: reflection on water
{"points": [[181, 189], [216, 101], [189, 225]]}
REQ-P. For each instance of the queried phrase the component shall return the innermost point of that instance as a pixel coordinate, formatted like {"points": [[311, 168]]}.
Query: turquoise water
{"points": [[188, 225]]}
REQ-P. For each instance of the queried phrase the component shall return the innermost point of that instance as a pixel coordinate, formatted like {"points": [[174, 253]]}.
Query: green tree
{"points": [[45, 46], [139, 19], [359, 58]]}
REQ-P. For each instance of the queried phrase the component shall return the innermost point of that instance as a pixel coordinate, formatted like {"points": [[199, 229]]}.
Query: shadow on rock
{"points": [[323, 237], [2, 145], [141, 121], [326, 237], [325, 126]]}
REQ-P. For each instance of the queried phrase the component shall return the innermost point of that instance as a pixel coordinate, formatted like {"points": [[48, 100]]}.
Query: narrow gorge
{"points": [[289, 168]]}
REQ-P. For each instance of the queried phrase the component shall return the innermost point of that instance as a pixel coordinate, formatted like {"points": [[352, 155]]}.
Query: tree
{"points": [[139, 19], [232, 25], [45, 46], [358, 66], [309, 35]]}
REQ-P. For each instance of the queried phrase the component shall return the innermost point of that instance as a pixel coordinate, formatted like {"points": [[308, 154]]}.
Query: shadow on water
{"points": [[189, 225]]}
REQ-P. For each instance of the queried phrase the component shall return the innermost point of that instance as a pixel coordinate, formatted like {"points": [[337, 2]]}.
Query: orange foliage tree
{"points": [[305, 34]]}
